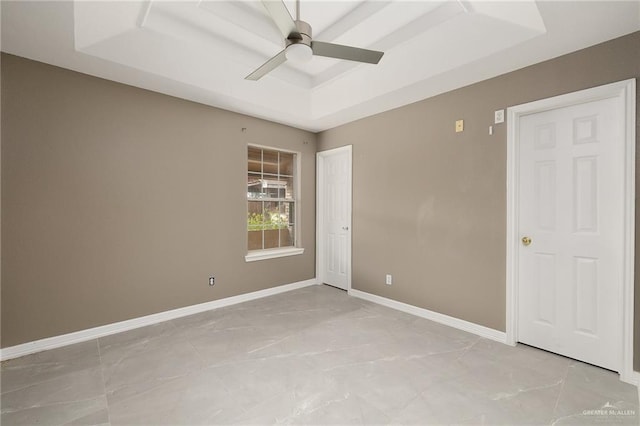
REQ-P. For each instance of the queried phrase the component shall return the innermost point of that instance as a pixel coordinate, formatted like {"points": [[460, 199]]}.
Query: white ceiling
{"points": [[202, 50]]}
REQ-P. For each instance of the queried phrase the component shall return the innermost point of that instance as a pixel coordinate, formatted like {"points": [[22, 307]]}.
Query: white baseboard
{"points": [[480, 330], [117, 327], [632, 378]]}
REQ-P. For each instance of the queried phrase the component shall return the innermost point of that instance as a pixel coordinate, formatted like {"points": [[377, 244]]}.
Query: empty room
{"points": [[319, 212]]}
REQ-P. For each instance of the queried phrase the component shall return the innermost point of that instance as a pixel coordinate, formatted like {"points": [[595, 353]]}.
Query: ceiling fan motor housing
{"points": [[302, 36]]}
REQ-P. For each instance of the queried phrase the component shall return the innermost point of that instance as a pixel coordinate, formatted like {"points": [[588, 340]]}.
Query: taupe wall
{"points": [[0, 199], [429, 205], [119, 202]]}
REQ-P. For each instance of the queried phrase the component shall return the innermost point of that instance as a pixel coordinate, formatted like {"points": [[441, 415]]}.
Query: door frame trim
{"points": [[320, 258], [627, 91]]}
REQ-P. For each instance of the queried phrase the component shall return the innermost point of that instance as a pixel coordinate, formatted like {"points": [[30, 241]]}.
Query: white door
{"points": [[571, 207], [334, 217]]}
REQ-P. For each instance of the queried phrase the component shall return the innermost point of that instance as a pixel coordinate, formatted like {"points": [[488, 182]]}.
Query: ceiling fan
{"points": [[299, 44]]}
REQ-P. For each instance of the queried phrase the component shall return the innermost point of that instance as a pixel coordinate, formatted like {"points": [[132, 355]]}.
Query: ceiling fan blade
{"points": [[349, 53], [267, 67], [281, 16]]}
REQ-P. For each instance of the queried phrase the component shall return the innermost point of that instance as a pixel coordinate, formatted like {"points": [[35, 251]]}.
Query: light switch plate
{"points": [[459, 126], [499, 116]]}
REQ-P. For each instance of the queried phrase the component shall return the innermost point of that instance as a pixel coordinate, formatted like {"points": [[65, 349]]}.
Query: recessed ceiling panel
{"points": [[202, 50]]}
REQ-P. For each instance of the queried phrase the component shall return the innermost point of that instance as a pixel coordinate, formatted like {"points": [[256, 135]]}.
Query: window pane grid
{"points": [[271, 199]]}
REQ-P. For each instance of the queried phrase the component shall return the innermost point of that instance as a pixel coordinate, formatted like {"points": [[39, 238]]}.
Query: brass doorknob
{"points": [[526, 241]]}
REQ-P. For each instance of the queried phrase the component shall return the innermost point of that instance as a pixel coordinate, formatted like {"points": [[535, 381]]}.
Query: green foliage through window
{"points": [[266, 221]]}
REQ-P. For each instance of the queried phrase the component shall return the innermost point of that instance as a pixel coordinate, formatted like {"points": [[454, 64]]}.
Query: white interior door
{"points": [[571, 207], [334, 217]]}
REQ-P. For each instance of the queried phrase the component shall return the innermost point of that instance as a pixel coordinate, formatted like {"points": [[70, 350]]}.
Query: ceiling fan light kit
{"points": [[299, 44], [298, 52]]}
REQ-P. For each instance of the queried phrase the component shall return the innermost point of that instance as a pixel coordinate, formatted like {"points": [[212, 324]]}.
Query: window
{"points": [[271, 203]]}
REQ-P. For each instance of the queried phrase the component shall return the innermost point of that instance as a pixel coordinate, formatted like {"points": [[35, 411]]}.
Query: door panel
{"points": [[571, 206], [545, 189], [545, 288], [586, 295]]}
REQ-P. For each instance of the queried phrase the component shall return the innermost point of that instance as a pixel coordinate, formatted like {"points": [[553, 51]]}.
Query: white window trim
{"points": [[265, 254]]}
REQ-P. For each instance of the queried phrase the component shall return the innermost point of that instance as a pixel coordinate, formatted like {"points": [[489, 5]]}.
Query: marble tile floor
{"points": [[310, 356]]}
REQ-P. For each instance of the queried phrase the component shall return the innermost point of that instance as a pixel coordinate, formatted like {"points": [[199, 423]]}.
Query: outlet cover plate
{"points": [[498, 116]]}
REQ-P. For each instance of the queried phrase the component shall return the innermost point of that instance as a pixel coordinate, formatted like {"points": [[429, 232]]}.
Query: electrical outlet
{"points": [[212, 280], [459, 126], [498, 116], [389, 280]]}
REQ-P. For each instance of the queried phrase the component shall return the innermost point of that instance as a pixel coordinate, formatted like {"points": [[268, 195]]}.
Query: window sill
{"points": [[253, 256]]}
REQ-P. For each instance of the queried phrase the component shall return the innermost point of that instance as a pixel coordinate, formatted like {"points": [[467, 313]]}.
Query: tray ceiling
{"points": [[202, 50]]}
